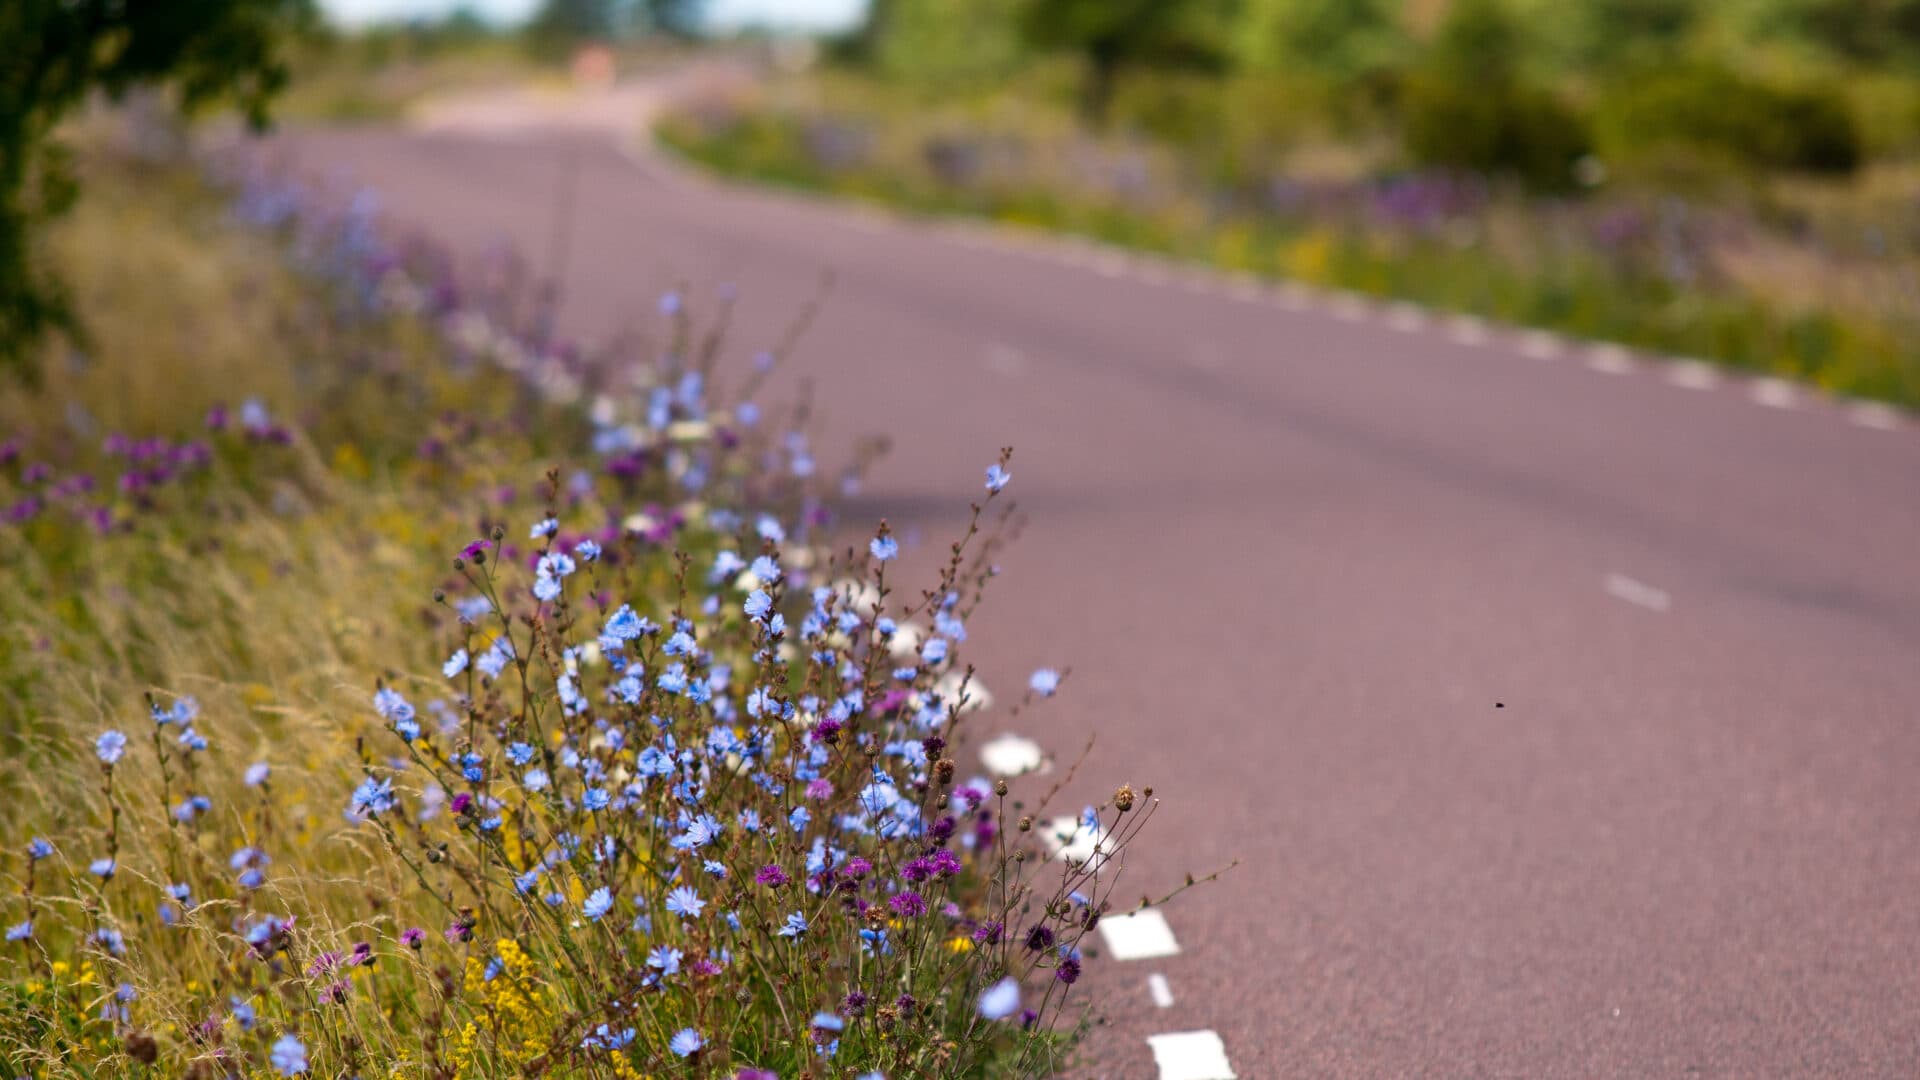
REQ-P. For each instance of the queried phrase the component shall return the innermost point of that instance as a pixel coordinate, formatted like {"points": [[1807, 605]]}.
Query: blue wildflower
{"points": [[543, 528], [666, 959], [257, 773], [372, 798], [1000, 1000], [997, 477], [1044, 682], [289, 1055], [38, 848], [884, 548], [109, 746], [101, 868], [686, 1042], [686, 903], [587, 550], [455, 664], [796, 926], [598, 903], [20, 931], [758, 604]]}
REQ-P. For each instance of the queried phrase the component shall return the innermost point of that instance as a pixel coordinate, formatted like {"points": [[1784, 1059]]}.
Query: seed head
{"points": [[1123, 799]]}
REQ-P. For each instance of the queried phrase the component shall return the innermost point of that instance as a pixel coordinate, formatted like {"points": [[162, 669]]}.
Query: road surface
{"points": [[1564, 710]]}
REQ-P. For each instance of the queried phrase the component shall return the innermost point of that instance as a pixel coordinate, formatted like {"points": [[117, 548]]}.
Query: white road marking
{"points": [[1622, 587], [1191, 1055], [1012, 755], [1246, 288], [1159, 991], [1006, 360], [1292, 296], [1872, 414], [1348, 307], [1152, 271], [1071, 841], [1693, 375], [1142, 935], [1541, 345], [1610, 359], [1407, 318], [1467, 330], [1775, 393]]}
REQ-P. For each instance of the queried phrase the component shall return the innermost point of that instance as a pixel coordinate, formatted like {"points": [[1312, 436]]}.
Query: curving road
{"points": [[1564, 709]]}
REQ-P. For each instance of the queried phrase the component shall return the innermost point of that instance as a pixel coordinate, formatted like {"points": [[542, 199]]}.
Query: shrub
{"points": [[1495, 128], [1707, 117]]}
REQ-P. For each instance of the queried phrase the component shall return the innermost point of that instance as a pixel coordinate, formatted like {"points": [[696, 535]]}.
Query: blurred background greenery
{"points": [[1731, 179]]}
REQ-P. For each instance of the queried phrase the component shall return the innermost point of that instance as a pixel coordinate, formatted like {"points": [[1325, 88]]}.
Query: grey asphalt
{"points": [[1340, 594]]}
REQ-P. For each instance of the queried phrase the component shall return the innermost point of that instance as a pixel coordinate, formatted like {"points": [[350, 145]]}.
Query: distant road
{"points": [[1564, 707]]}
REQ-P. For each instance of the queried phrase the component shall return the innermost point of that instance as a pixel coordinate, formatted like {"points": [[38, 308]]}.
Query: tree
{"points": [[61, 52], [1112, 35], [952, 42], [1342, 39], [680, 18]]}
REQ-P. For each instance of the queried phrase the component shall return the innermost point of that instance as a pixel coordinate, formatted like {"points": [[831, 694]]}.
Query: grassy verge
{"points": [[1806, 286], [392, 692]]}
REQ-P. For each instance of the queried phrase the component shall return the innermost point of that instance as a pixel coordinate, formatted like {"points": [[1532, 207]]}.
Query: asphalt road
{"points": [[1566, 721]]}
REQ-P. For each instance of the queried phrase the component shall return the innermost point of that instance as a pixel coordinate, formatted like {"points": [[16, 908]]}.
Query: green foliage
{"points": [[1110, 36], [1471, 107], [1335, 38], [950, 42], [61, 51], [1708, 118]]}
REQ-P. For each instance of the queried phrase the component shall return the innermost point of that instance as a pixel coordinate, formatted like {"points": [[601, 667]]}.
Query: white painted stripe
{"points": [[1610, 359], [1348, 307], [1246, 288], [1068, 840], [1012, 755], [1467, 330], [1191, 1055], [1693, 374], [1775, 393], [1142, 935], [1408, 318], [1005, 360], [1292, 295], [1152, 271], [1622, 587], [1541, 345], [1873, 414], [1159, 991]]}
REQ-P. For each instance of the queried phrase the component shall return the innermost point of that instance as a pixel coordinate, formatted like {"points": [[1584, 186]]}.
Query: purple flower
{"points": [[908, 904], [772, 876]]}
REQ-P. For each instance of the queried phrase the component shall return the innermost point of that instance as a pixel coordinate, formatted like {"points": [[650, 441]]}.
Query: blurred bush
{"points": [[1703, 117]]}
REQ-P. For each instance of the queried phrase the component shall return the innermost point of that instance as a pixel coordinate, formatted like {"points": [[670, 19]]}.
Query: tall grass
{"points": [[392, 694]]}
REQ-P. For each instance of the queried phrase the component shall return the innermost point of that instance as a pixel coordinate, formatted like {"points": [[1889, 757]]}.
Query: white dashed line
{"points": [[1610, 360], [1348, 307], [1246, 288], [1775, 393], [1541, 345], [1142, 935], [1075, 843], [1012, 755], [1467, 330], [1693, 375], [1407, 318], [1005, 360], [1191, 1055], [1293, 297], [1872, 414], [1159, 991], [1622, 587]]}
